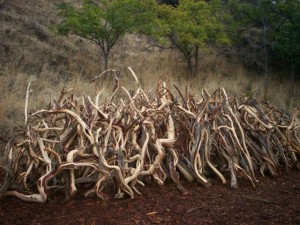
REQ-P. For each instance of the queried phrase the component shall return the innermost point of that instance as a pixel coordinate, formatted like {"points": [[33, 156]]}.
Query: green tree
{"points": [[286, 44], [255, 22], [105, 22], [271, 27], [194, 26]]}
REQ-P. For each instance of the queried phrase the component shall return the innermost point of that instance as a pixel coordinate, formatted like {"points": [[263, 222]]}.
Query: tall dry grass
{"points": [[150, 67]]}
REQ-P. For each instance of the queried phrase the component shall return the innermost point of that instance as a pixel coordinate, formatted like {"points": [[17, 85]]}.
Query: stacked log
{"points": [[109, 149]]}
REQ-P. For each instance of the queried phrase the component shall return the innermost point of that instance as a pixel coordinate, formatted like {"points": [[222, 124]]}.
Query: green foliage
{"points": [[287, 37], [272, 27], [194, 26], [277, 27], [105, 22]]}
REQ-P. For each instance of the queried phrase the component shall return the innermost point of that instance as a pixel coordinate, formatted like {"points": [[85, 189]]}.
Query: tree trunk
{"points": [[189, 74], [263, 83], [106, 57], [190, 67], [266, 56], [196, 58], [292, 86]]}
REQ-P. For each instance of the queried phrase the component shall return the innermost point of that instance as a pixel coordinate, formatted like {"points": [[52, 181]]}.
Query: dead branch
{"points": [[110, 149]]}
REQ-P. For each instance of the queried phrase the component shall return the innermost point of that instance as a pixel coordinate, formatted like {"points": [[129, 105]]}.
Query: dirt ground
{"points": [[273, 201]]}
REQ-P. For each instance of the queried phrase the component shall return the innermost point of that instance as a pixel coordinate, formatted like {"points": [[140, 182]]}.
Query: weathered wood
{"points": [[108, 149]]}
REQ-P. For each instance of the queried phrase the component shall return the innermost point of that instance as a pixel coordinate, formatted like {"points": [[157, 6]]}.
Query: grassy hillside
{"points": [[29, 51]]}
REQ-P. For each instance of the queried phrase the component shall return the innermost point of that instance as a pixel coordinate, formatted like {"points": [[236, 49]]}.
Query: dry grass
{"points": [[150, 67]]}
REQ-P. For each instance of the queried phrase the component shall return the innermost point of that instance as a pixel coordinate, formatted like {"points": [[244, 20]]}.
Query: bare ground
{"points": [[273, 201]]}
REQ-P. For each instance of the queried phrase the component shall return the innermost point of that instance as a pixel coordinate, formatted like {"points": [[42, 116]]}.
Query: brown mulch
{"points": [[273, 201]]}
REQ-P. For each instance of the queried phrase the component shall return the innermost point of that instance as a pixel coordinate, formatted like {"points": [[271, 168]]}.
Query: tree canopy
{"points": [[271, 27], [193, 27], [276, 24], [105, 22]]}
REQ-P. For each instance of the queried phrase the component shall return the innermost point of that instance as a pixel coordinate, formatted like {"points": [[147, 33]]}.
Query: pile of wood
{"points": [[109, 149]]}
